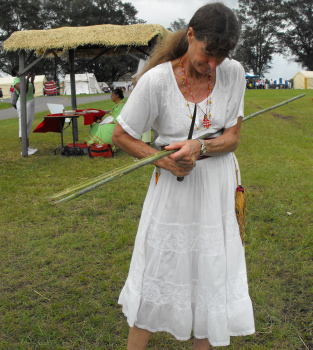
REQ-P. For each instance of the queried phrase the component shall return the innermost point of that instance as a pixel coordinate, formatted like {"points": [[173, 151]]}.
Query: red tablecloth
{"points": [[92, 115], [52, 123]]}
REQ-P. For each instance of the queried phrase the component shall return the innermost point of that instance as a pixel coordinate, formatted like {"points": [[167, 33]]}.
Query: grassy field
{"points": [[5, 105], [62, 267]]}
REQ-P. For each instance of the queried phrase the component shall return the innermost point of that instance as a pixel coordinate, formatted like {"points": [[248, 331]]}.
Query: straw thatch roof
{"points": [[95, 38]]}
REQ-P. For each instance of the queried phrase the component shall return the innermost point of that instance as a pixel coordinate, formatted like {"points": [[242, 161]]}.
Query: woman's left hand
{"points": [[188, 153]]}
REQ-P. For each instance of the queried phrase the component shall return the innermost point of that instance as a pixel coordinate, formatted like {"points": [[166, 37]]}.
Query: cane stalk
{"points": [[103, 179], [115, 174], [272, 107], [89, 182]]}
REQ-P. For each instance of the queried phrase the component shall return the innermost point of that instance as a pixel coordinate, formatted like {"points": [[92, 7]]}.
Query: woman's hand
{"points": [[168, 164], [189, 151], [183, 161], [180, 165]]}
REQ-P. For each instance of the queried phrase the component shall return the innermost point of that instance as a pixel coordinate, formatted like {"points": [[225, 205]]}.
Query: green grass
{"points": [[87, 95], [5, 105], [62, 267]]}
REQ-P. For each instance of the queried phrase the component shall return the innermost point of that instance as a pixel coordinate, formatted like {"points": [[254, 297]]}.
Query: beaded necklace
{"points": [[206, 121]]}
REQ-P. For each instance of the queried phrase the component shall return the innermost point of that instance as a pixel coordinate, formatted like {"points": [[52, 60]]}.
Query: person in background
{"points": [[102, 133], [188, 273], [30, 103], [11, 91], [1, 95]]}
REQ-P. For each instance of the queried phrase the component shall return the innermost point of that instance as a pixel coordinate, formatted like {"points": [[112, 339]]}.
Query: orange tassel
{"points": [[157, 174], [240, 207]]}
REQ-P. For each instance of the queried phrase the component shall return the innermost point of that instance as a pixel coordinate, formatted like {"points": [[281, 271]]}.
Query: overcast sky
{"points": [[165, 12]]}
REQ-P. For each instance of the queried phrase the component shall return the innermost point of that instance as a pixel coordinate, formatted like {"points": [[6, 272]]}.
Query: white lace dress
{"points": [[188, 269]]}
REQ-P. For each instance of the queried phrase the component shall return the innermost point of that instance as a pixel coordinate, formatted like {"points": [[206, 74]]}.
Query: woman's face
{"points": [[201, 60], [113, 97]]}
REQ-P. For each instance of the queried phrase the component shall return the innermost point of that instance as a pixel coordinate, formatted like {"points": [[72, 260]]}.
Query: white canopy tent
{"points": [[141, 65], [85, 84], [120, 84], [5, 84], [303, 80], [103, 84]]}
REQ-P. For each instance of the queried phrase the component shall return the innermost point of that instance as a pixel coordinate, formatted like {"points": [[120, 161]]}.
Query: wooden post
{"points": [[23, 110], [73, 91]]}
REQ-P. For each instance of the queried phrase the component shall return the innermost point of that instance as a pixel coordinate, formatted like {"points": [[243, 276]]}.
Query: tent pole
{"points": [[73, 91], [23, 104]]}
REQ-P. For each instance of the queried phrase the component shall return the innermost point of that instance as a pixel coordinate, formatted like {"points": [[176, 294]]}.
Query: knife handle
{"points": [[180, 179]]}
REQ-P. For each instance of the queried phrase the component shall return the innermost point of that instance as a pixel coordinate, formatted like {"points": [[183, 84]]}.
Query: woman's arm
{"points": [[18, 85], [228, 142], [190, 150], [140, 149]]}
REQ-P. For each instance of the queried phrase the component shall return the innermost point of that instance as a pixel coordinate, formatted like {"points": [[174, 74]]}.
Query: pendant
{"points": [[206, 122]]}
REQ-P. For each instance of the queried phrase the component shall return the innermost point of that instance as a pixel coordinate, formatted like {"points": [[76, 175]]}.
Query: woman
{"points": [[102, 133], [30, 104], [188, 268]]}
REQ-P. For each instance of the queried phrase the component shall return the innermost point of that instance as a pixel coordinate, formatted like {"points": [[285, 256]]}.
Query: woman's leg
{"points": [[30, 106], [138, 338], [201, 344]]}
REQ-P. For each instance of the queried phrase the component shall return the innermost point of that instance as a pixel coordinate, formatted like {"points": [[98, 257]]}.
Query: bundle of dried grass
{"points": [[90, 37]]}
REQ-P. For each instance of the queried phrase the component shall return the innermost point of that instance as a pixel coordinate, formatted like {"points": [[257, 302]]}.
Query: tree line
{"points": [[271, 27], [48, 14], [268, 27], [275, 27]]}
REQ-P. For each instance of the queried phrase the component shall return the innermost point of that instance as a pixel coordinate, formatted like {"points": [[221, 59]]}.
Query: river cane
{"points": [[115, 174]]}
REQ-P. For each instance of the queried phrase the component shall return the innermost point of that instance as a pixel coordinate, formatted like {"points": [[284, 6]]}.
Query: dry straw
{"points": [[87, 38]]}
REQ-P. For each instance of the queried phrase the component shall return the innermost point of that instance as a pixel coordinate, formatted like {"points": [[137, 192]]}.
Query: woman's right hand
{"points": [[168, 164]]}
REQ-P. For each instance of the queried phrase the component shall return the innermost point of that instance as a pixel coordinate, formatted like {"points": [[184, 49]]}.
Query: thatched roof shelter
{"points": [[70, 42], [88, 41]]}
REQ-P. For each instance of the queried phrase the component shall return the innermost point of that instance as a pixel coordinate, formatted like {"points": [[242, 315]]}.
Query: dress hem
{"points": [[232, 334], [242, 334]]}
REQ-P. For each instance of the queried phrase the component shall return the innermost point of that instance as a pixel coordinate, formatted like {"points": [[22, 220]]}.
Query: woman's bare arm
{"points": [[18, 85], [225, 143], [183, 161], [139, 149]]}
